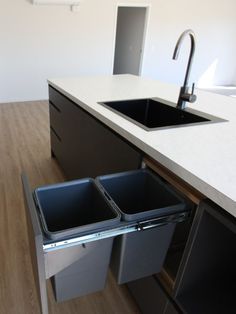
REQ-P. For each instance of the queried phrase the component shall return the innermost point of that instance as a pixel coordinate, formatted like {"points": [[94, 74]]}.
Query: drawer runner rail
{"points": [[123, 228]]}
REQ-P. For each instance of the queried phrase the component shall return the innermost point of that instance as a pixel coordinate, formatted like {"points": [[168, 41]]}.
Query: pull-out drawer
{"points": [[57, 99], [64, 119], [57, 147], [71, 256], [56, 120], [141, 195]]}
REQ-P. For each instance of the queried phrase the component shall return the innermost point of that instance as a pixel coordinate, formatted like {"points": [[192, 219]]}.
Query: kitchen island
{"points": [[201, 156]]}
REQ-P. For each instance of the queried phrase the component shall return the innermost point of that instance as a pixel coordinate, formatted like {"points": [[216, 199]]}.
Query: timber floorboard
{"points": [[25, 147]]}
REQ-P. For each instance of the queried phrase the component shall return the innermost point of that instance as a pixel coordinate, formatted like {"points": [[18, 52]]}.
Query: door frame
{"points": [[147, 16]]}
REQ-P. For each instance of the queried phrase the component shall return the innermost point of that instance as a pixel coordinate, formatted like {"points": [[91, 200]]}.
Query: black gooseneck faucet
{"points": [[184, 95]]}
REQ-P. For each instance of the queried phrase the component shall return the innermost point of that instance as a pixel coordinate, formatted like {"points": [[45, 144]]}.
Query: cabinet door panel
{"points": [[206, 280], [148, 295]]}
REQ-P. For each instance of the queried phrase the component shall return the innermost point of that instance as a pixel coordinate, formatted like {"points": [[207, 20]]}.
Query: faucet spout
{"points": [[184, 95]]}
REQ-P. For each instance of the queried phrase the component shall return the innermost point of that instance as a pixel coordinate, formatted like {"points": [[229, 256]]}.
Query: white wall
{"points": [[37, 42], [214, 23]]}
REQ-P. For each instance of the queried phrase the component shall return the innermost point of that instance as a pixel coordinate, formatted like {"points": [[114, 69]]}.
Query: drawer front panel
{"points": [[56, 119], [57, 99], [90, 148], [56, 146], [61, 103], [64, 116]]}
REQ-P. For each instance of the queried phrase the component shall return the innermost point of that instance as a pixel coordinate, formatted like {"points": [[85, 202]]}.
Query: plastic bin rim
{"points": [[151, 213], [125, 173], [61, 233], [142, 170], [62, 184]]}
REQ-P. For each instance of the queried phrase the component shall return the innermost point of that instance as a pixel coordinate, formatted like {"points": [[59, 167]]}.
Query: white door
{"points": [[129, 42]]}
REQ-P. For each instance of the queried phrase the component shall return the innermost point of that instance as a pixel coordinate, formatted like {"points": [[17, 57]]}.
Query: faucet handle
{"points": [[186, 96], [192, 97]]}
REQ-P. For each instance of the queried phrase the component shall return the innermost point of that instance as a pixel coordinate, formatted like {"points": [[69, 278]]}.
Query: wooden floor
{"points": [[24, 146]]}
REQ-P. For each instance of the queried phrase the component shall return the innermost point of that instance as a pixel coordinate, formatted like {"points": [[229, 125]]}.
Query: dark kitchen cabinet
{"points": [[84, 146]]}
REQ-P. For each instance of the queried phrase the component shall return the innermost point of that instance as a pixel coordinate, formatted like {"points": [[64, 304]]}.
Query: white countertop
{"points": [[202, 155]]}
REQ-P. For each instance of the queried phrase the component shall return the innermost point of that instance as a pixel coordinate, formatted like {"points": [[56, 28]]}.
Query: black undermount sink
{"points": [[152, 114]]}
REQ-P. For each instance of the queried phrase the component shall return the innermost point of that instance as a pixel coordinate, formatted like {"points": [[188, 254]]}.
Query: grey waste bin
{"points": [[72, 209], [140, 195]]}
